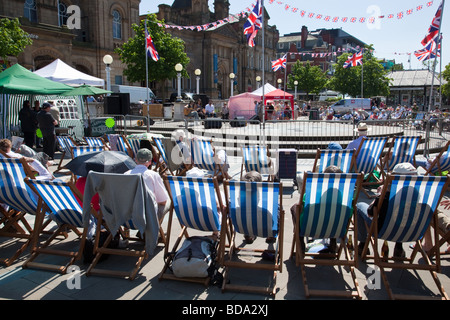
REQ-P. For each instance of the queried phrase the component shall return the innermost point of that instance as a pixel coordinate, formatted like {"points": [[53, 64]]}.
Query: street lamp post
{"points": [[108, 60], [279, 83], [232, 75], [258, 81], [295, 86], [178, 69], [198, 72]]}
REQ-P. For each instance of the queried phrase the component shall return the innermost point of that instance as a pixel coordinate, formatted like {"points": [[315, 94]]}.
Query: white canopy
{"points": [[61, 72], [267, 88]]}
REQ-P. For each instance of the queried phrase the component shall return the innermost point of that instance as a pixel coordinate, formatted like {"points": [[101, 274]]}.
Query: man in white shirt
{"points": [[152, 180], [209, 108]]}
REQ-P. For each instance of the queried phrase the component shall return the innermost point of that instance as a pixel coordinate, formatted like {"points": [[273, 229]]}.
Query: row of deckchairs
{"points": [[325, 210]]}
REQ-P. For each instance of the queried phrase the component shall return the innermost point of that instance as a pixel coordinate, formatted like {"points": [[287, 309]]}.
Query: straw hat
{"points": [[362, 127]]}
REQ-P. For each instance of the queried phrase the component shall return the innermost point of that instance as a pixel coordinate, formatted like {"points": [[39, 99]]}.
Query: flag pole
{"points": [[146, 69], [263, 76], [362, 74], [435, 57]]}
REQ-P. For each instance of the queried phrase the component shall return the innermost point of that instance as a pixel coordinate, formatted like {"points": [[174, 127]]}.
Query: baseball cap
{"points": [[46, 105], [144, 155]]}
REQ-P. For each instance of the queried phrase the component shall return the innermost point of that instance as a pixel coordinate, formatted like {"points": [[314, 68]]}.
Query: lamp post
{"points": [[295, 86], [232, 75], [108, 60], [279, 83], [258, 81], [198, 72], [178, 69]]}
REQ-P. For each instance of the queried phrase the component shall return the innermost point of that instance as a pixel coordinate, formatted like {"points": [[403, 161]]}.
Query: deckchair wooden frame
{"points": [[65, 142], [330, 259], [386, 165], [404, 263], [45, 248], [161, 155], [227, 258], [169, 256], [267, 154], [436, 163], [217, 167]]}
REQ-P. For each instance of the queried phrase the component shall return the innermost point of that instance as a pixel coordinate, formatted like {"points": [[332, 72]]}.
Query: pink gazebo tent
{"points": [[243, 105]]}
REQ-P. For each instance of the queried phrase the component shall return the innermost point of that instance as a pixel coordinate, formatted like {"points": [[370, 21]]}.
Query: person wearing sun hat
{"points": [[362, 130]]}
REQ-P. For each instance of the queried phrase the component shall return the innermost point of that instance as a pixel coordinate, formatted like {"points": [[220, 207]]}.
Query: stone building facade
{"points": [[220, 52], [103, 26]]}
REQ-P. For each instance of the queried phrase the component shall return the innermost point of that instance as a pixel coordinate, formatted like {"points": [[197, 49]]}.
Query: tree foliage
{"points": [[348, 80], [170, 49], [311, 79], [446, 76], [13, 39]]}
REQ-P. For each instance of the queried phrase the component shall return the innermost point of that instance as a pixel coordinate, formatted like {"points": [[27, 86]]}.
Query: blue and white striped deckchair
{"points": [[202, 153], [95, 141], [255, 209], [121, 144], [343, 159], [442, 161], [326, 208], [78, 150], [413, 201], [65, 210], [134, 144], [256, 158], [198, 205], [403, 150], [368, 157], [161, 156], [20, 200], [66, 143]]}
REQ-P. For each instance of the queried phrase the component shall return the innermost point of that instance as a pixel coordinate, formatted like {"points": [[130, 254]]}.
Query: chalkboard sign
{"points": [[99, 127]]}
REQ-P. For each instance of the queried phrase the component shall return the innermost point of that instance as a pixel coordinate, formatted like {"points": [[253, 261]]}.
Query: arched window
{"points": [[30, 10], [117, 25], [62, 14]]}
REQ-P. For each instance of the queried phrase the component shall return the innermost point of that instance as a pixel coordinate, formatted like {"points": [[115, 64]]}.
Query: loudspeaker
{"points": [[238, 122], [213, 123], [118, 103], [254, 120]]}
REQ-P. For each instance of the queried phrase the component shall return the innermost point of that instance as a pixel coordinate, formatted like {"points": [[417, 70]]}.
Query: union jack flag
{"points": [[279, 63], [433, 31], [150, 47], [429, 52], [354, 60], [253, 24]]}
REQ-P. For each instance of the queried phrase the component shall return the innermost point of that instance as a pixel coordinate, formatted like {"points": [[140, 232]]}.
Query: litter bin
{"points": [[168, 111], [313, 114]]}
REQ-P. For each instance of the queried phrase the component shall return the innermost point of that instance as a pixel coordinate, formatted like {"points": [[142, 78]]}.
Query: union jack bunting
{"points": [[279, 63], [253, 24], [433, 31], [150, 47], [354, 60], [429, 52]]}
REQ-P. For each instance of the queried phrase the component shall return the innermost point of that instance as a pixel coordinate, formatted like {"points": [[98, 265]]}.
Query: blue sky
{"points": [[392, 38]]}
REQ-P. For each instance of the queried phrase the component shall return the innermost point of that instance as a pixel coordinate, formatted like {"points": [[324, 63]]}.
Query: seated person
{"points": [[190, 112], [210, 110], [225, 111], [153, 181], [43, 173]]}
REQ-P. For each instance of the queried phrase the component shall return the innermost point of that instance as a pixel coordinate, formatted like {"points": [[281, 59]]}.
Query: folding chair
{"points": [[78, 150], [66, 143], [413, 201], [402, 149], [368, 157], [326, 207], [198, 205], [119, 143], [95, 142], [255, 209], [343, 159], [18, 200], [442, 161], [131, 207], [163, 162], [203, 153], [57, 198], [256, 158], [135, 144]]}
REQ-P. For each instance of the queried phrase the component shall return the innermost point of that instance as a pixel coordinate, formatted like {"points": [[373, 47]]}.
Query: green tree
{"points": [[170, 49], [13, 39], [311, 79], [446, 76], [348, 80]]}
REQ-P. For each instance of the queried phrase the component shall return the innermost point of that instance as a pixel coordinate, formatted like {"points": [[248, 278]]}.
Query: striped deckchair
{"points": [[256, 158], [66, 143], [198, 205], [326, 209], [121, 144], [413, 201], [343, 159], [18, 200], [95, 141], [442, 161], [402, 149], [202, 152], [255, 209], [134, 144], [58, 198], [163, 162], [78, 150]]}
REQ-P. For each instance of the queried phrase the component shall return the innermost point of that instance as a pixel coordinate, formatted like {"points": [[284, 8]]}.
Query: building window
{"points": [[118, 80], [62, 14], [30, 10], [67, 109], [117, 25]]}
